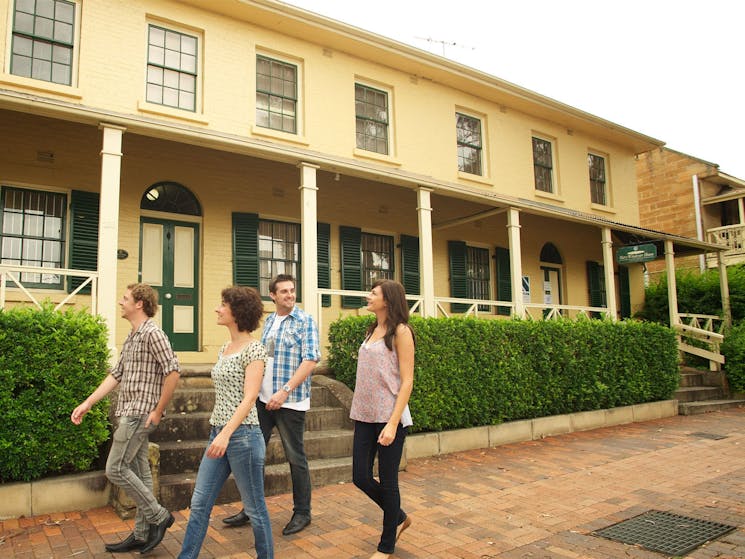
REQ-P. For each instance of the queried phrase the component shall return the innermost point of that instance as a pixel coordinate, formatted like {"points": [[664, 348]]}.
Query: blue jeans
{"points": [[384, 492], [245, 459], [128, 467], [291, 427]]}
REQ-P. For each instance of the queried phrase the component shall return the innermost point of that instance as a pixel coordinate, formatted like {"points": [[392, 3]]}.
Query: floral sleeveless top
{"points": [[377, 385]]}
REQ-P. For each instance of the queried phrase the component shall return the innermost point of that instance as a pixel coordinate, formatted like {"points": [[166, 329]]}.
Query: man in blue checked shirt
{"points": [[291, 340]]}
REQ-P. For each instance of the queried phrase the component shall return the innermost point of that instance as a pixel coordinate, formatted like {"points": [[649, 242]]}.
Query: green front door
{"points": [[169, 261]]}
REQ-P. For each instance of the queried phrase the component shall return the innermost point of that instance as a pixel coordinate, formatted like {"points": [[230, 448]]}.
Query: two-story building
{"points": [[192, 145]]}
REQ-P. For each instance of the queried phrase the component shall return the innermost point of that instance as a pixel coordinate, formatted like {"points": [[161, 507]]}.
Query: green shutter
{"points": [[458, 280], [246, 249], [324, 261], [624, 287], [504, 280], [410, 276], [596, 286], [84, 213], [350, 240]]}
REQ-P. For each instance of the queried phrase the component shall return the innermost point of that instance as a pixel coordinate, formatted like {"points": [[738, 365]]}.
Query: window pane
{"points": [[176, 54], [64, 12], [44, 28], [156, 55], [45, 8], [24, 23], [63, 32], [154, 94]]}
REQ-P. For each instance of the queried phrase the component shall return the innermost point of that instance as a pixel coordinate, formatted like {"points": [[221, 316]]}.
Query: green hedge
{"points": [[49, 363], [733, 349], [473, 372]]}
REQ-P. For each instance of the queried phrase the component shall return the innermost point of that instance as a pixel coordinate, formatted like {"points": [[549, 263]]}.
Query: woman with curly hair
{"points": [[235, 444]]}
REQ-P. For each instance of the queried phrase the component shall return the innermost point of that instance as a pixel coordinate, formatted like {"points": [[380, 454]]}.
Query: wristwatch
{"points": [[287, 388]]}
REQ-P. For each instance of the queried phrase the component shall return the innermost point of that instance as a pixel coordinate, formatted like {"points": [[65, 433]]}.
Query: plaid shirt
{"points": [[146, 359], [296, 341]]}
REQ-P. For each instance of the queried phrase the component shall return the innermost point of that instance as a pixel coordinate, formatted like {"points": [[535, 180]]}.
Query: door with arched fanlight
{"points": [[169, 259], [551, 263]]}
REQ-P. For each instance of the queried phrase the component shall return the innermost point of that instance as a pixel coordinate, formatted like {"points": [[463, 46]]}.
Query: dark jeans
{"points": [[291, 427], [384, 492]]}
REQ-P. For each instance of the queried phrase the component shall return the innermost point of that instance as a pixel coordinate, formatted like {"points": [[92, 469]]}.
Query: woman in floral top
{"points": [[380, 407], [236, 444]]}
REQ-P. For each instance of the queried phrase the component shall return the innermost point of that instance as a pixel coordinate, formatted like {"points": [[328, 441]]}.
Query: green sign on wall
{"points": [[636, 253]]}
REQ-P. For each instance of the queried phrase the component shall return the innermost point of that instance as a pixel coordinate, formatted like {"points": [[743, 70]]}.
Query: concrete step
{"points": [[188, 399], [698, 393], [176, 489], [184, 456], [195, 426], [693, 408], [689, 379]]}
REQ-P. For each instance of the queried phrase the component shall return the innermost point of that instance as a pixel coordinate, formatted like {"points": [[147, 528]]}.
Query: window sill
{"points": [[278, 135], [475, 178], [549, 196], [376, 156], [602, 208], [41, 85], [162, 110]]}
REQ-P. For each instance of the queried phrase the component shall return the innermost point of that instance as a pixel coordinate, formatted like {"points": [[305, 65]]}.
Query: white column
{"points": [[724, 288], [610, 282], [309, 235], [516, 262], [426, 259], [672, 287], [108, 229]]}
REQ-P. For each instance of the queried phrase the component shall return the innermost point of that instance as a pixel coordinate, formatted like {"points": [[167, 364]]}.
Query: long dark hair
{"points": [[396, 308]]}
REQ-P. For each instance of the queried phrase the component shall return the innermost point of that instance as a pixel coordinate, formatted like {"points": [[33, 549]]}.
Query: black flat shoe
{"points": [[236, 520], [157, 531], [128, 544], [297, 523]]}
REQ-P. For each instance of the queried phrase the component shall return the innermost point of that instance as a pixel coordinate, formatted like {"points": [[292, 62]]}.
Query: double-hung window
{"points": [[468, 130], [43, 40], [598, 182], [371, 112], [33, 232], [276, 94], [543, 165], [171, 68], [377, 259], [279, 252], [477, 275]]}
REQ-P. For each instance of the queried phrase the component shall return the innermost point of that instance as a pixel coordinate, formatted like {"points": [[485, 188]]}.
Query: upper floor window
{"points": [[371, 110], [543, 165], [33, 226], [598, 183], [276, 95], [279, 252], [468, 131], [43, 40], [171, 68], [377, 259]]}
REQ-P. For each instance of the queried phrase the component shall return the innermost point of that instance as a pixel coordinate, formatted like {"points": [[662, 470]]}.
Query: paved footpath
{"points": [[532, 500]]}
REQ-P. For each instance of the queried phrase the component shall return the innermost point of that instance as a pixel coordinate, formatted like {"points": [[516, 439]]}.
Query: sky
{"points": [[669, 69]]}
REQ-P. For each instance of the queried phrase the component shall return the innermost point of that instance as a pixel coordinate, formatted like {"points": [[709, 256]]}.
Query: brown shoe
{"points": [[401, 527]]}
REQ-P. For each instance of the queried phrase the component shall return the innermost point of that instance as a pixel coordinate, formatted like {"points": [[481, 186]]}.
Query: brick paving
{"points": [[532, 500]]}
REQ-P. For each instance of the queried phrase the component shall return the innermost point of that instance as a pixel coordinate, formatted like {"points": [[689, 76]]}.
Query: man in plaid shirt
{"points": [[147, 373], [291, 340]]}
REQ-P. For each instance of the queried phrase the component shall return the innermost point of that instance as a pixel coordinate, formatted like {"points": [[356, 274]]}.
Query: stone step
{"points": [[184, 456], [202, 398], [195, 426], [689, 379], [693, 408], [176, 489], [698, 393]]}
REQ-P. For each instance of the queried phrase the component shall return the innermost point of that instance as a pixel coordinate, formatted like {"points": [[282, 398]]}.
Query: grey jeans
{"points": [[127, 466]]}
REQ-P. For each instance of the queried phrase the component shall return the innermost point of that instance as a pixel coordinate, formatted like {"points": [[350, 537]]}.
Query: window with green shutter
{"points": [[458, 279], [350, 242], [596, 286], [324, 260], [504, 280], [84, 215], [410, 275], [246, 249]]}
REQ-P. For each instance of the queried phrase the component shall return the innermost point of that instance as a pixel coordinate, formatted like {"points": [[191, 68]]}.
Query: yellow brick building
{"points": [[193, 144]]}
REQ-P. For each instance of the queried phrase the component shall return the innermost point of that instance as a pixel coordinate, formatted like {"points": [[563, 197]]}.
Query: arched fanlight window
{"points": [[170, 197], [550, 254]]}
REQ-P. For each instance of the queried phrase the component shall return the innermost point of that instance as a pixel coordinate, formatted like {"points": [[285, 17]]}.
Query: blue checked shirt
{"points": [[296, 341]]}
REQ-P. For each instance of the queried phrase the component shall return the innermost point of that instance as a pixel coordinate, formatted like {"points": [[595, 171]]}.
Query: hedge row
{"points": [[49, 362], [473, 372]]}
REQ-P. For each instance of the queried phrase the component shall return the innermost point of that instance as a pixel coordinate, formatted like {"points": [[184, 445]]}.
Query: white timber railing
{"points": [[11, 278], [708, 331], [732, 236]]}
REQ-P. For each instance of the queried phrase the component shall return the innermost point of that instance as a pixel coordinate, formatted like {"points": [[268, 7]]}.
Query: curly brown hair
{"points": [[246, 305], [149, 297]]}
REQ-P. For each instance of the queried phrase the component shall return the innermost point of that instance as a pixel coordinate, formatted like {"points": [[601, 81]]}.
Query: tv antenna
{"points": [[444, 44]]}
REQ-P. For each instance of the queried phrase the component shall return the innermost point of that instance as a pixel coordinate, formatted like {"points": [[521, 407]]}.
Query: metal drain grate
{"points": [[665, 532]]}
